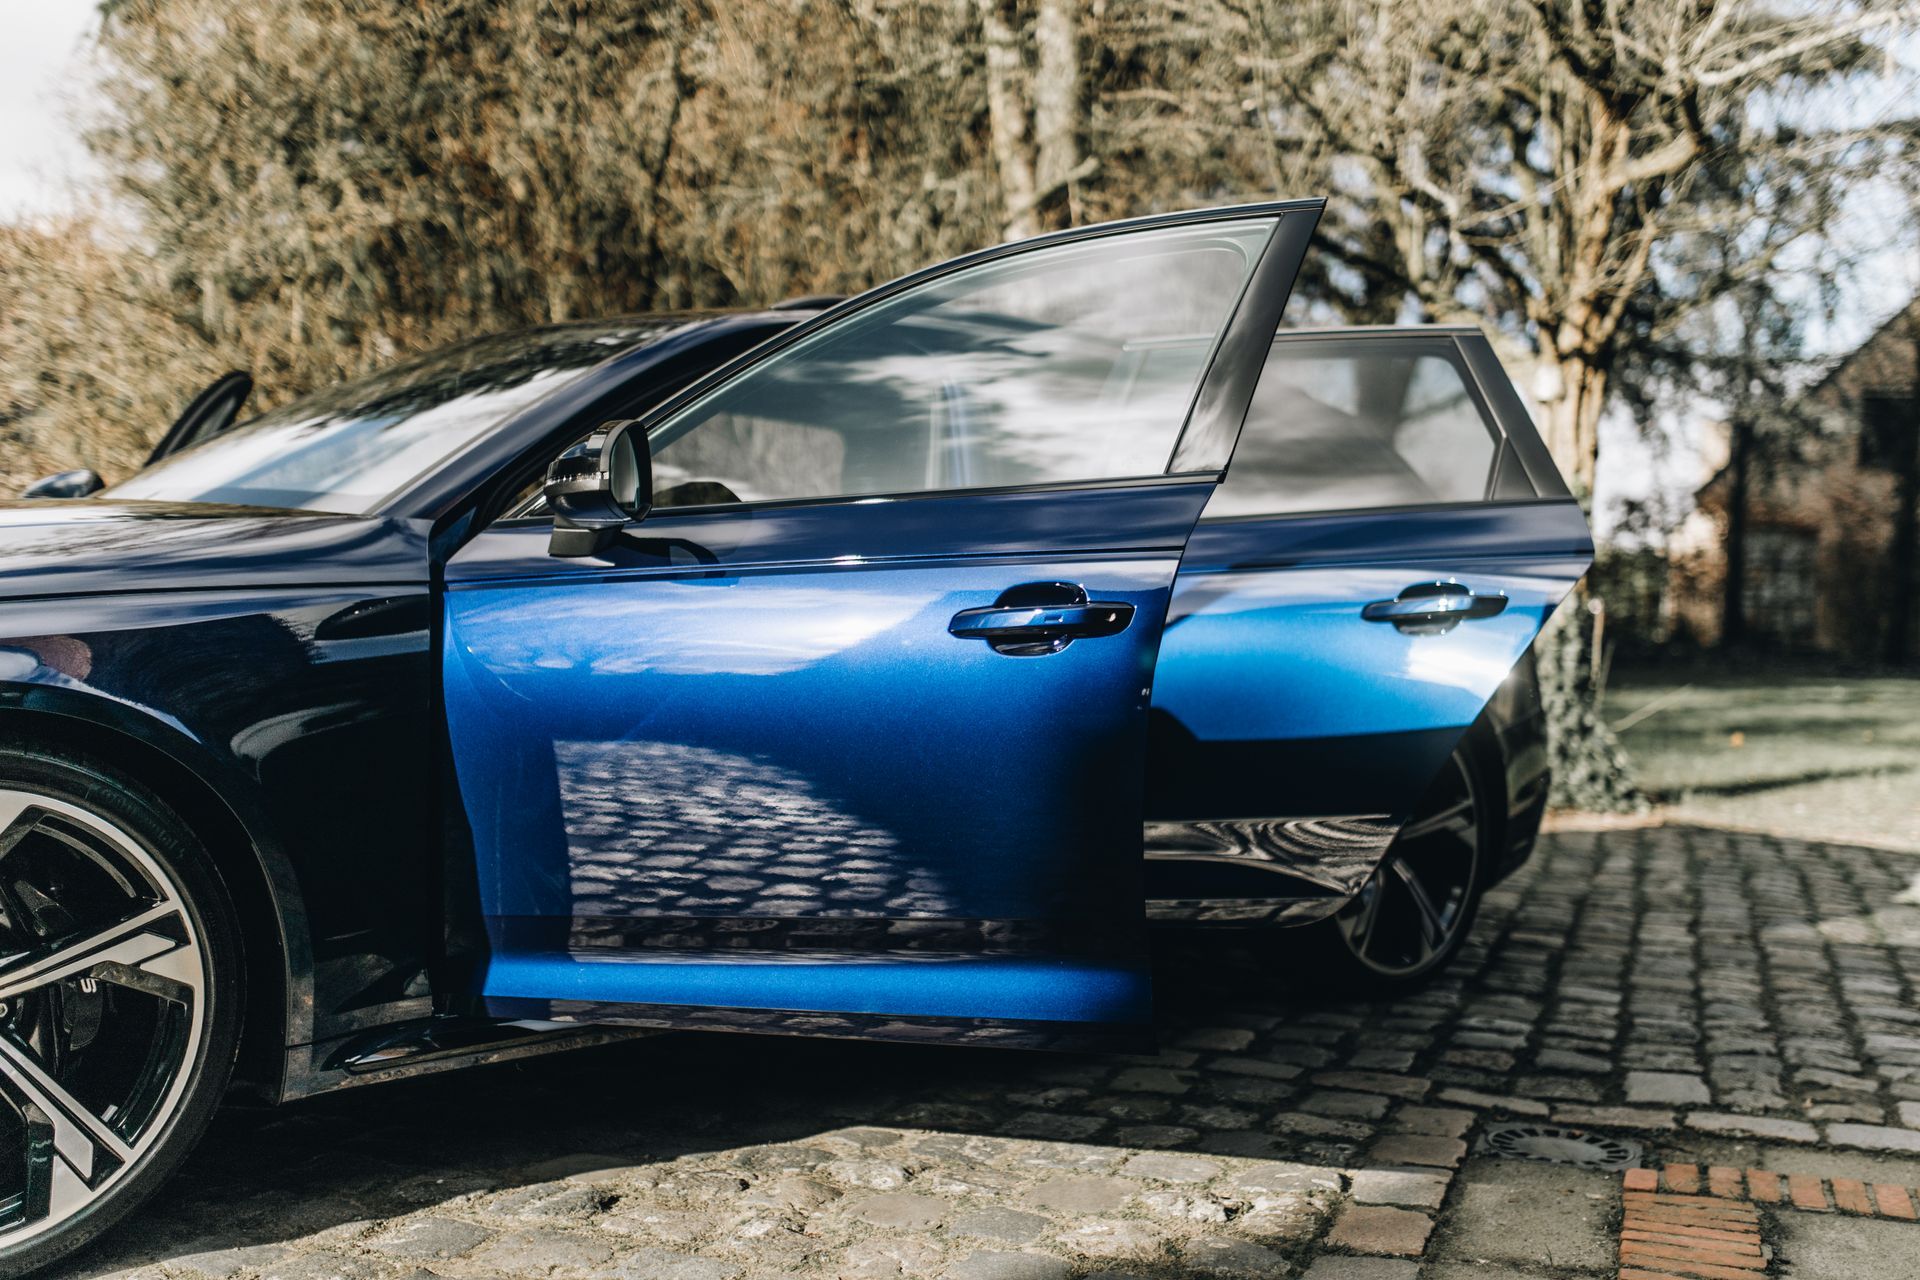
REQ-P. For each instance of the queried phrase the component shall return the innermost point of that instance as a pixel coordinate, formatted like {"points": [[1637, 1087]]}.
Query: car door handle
{"points": [[1041, 618], [1433, 607]]}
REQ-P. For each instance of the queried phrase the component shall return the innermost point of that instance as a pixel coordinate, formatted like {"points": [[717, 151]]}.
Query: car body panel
{"points": [[1292, 736], [97, 546], [1336, 705], [309, 713], [624, 732]]}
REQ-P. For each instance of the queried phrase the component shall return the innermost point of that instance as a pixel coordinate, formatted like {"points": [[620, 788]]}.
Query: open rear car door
{"points": [[1390, 538]]}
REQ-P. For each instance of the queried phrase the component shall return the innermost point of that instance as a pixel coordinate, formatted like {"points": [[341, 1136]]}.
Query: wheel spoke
{"points": [[1425, 886], [128, 942], [12, 805], [1457, 818], [79, 1136], [1361, 935], [1433, 929], [37, 1130]]}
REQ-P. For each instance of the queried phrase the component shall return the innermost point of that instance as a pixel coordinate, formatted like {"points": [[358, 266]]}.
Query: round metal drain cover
{"points": [[1552, 1144]]}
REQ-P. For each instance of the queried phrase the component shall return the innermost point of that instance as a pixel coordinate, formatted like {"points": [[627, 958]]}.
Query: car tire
{"points": [[1414, 913], [121, 983]]}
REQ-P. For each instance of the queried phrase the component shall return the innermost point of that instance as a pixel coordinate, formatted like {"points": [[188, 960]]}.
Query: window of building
{"points": [[1780, 587], [1887, 427]]}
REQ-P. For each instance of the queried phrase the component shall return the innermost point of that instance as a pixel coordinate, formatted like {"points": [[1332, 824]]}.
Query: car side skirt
{"points": [[981, 1033]]}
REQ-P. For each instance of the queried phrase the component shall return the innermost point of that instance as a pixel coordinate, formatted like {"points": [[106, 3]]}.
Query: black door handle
{"points": [[1430, 608], [1040, 618]]}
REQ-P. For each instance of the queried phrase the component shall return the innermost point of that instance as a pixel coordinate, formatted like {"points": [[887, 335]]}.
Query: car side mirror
{"points": [[599, 487], [65, 484]]}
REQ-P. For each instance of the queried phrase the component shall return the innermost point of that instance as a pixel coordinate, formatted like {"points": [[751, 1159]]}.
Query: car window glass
{"points": [[348, 446], [1339, 426], [1072, 363]]}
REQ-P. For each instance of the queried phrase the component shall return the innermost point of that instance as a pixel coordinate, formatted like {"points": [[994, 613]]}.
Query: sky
{"points": [[43, 78], [45, 83]]}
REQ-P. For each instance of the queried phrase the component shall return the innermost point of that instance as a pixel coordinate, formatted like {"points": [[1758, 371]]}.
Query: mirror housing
{"points": [[65, 484], [599, 487]]}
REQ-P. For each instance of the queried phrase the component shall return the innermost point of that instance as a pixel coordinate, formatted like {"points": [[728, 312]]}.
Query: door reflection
{"points": [[660, 829]]}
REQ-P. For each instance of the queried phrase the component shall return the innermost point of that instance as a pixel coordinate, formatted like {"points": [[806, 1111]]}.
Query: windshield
{"points": [[347, 447]]}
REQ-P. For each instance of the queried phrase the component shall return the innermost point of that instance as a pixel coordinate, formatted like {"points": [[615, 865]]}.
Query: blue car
{"points": [[878, 668]]}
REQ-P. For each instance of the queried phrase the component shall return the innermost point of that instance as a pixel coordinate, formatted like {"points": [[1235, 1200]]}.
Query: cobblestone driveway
{"points": [[1732, 1001]]}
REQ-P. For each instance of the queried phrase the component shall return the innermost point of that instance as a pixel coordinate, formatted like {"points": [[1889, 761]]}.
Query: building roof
{"points": [[1906, 319]]}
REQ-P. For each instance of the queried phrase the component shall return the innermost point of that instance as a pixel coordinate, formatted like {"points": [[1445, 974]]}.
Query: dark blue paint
{"points": [[861, 533], [90, 546], [304, 713], [1552, 530]]}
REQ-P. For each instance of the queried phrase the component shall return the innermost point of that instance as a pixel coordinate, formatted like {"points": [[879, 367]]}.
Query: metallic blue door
{"points": [[743, 772], [1396, 541], [1287, 701]]}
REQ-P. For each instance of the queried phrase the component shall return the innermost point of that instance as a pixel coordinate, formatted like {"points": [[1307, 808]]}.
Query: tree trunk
{"points": [[1905, 552], [1733, 596], [1590, 770], [1056, 110], [1575, 393], [1035, 112], [1007, 121]]}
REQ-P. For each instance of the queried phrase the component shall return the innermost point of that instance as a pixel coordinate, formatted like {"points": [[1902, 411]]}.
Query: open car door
{"points": [[1390, 538], [847, 737]]}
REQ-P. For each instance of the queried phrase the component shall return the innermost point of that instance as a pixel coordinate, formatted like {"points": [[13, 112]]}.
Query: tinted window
{"points": [[1072, 363], [1340, 425]]}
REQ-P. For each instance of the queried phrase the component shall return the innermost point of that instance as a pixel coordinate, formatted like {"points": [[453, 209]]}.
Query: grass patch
{"points": [[1817, 754]]}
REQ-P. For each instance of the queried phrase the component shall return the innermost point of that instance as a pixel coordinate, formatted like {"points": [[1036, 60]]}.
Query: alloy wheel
{"points": [[1409, 915], [103, 982]]}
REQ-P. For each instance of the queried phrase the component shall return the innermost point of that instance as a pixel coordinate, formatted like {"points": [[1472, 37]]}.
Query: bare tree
{"points": [[1036, 109], [90, 369], [1526, 161], [314, 187]]}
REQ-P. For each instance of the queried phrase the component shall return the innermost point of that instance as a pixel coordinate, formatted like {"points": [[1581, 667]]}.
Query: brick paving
{"points": [[1669, 1237], [1746, 1007], [1765, 1186]]}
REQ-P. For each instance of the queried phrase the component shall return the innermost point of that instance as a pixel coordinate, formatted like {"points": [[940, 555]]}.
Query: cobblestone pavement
{"points": [[1732, 1002]]}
